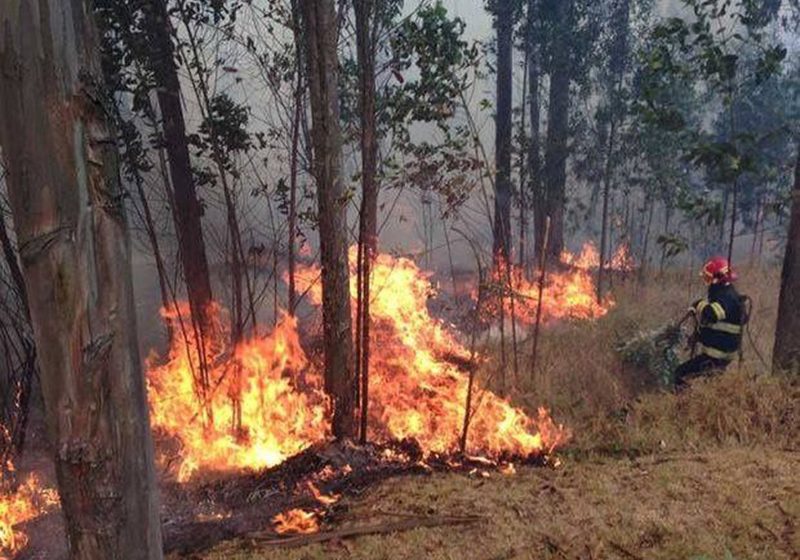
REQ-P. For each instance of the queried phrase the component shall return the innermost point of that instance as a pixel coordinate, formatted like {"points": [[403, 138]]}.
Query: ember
{"points": [[296, 521], [29, 501]]}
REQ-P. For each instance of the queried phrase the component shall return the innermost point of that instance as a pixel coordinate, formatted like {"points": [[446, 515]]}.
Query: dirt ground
{"points": [[727, 503]]}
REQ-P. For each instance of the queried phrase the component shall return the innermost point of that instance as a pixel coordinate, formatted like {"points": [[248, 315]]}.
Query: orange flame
{"points": [[296, 521], [415, 392], [622, 260], [322, 498], [28, 502], [569, 294], [587, 259], [264, 406], [265, 401]]}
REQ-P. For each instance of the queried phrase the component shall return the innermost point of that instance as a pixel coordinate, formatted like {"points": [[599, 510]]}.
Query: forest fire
{"points": [[264, 406], [29, 501], [415, 392], [568, 294], [269, 390]]}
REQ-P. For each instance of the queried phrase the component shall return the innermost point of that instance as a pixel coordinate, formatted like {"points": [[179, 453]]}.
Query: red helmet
{"points": [[718, 271]]}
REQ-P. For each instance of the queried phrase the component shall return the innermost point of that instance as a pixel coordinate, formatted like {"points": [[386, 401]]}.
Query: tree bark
{"points": [[66, 201], [786, 354], [555, 167], [294, 156], [503, 129], [618, 60], [368, 228], [319, 17], [187, 210], [534, 146]]}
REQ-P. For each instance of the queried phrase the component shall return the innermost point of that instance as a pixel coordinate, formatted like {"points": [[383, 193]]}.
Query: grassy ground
{"points": [[737, 503], [708, 474]]}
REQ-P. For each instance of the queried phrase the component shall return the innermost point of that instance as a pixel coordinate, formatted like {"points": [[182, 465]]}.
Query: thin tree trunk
{"points": [[503, 130], [534, 146], [555, 169], [319, 18], [187, 209], [523, 168], [239, 276], [368, 228], [786, 354], [542, 279], [756, 224], [150, 229], [667, 220], [723, 221], [294, 156], [646, 242], [66, 200], [476, 319], [604, 228]]}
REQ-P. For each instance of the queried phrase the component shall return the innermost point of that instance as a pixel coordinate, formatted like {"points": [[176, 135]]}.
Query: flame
{"points": [[587, 259], [296, 521], [29, 501], [280, 406], [415, 391], [568, 294], [322, 498], [622, 260]]}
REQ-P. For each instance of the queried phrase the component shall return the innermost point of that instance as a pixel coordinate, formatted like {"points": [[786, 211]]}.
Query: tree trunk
{"points": [[503, 129], [187, 210], [368, 228], [66, 201], [523, 169], [294, 156], [786, 354], [618, 60], [644, 263], [555, 167], [534, 146], [604, 245], [320, 29]]}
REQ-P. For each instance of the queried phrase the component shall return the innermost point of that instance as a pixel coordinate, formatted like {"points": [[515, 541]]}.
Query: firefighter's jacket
{"points": [[721, 319]]}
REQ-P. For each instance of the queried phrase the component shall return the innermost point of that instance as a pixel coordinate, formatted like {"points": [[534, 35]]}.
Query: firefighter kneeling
{"points": [[720, 318]]}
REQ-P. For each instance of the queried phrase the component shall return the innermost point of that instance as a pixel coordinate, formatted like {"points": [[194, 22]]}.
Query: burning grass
{"points": [[569, 291], [264, 402], [707, 474], [264, 405]]}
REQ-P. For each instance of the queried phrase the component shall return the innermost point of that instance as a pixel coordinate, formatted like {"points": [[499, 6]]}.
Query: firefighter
{"points": [[720, 318]]}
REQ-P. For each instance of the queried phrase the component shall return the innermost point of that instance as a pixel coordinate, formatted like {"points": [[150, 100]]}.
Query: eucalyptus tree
{"points": [[68, 209], [321, 32]]}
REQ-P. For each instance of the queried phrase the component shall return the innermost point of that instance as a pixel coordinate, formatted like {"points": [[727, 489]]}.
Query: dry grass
{"points": [[742, 503], [707, 474]]}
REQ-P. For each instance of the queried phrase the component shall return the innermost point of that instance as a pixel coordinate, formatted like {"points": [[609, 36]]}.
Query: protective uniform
{"points": [[720, 316]]}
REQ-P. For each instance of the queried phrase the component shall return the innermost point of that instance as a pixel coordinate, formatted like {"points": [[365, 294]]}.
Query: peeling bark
{"points": [[74, 249]]}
